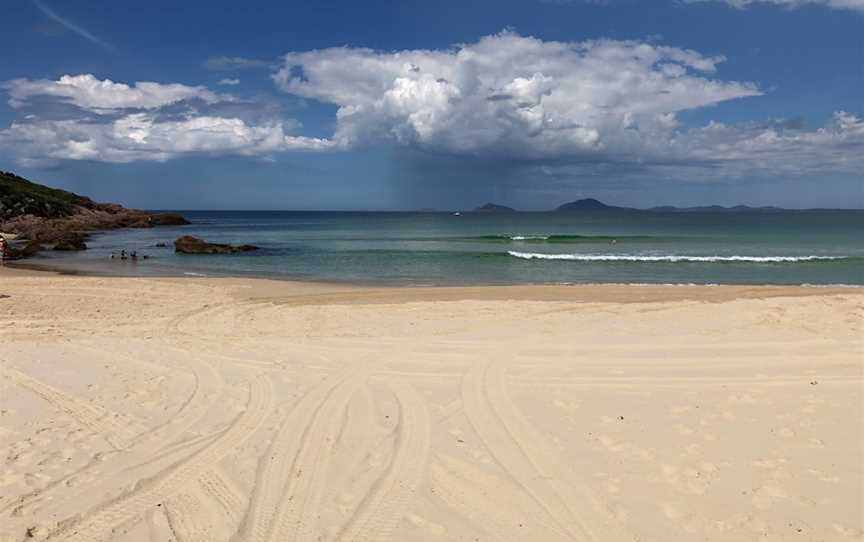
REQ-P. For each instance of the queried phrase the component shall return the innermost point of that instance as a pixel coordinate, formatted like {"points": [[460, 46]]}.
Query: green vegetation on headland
{"points": [[41, 215], [19, 197]]}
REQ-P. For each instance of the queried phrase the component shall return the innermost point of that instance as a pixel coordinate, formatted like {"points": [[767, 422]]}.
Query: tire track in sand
{"points": [[289, 484], [208, 383], [298, 513], [98, 524], [381, 510], [118, 430], [356, 440], [148, 443], [212, 313], [183, 512], [216, 485], [520, 450], [477, 495]]}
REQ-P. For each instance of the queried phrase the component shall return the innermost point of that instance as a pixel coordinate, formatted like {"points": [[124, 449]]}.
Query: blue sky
{"points": [[400, 105]]}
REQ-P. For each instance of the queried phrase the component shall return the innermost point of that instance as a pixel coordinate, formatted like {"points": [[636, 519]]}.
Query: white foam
{"points": [[529, 238], [667, 258]]}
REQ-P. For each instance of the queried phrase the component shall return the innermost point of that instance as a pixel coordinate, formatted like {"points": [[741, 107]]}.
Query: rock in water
{"points": [[168, 219], [30, 249], [70, 242], [192, 245]]}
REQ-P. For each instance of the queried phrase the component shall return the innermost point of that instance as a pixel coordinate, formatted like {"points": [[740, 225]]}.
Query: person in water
{"points": [[132, 255]]}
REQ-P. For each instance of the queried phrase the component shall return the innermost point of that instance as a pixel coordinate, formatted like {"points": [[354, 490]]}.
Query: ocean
{"points": [[406, 248]]}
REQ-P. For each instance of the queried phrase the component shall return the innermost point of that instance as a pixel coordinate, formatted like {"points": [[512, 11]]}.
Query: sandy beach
{"points": [[250, 410]]}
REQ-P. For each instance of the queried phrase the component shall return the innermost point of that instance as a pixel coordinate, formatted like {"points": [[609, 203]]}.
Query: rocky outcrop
{"points": [[46, 215], [51, 230], [71, 242], [192, 245], [28, 250]]}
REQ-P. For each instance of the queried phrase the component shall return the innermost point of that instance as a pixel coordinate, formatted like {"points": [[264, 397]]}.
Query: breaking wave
{"points": [[670, 258], [562, 238]]}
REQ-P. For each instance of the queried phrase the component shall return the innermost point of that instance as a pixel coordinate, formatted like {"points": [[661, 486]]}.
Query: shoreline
{"points": [[33, 265], [292, 291]]}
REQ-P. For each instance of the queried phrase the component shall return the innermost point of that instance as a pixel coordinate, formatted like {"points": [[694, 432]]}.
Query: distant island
{"points": [[594, 206], [494, 208], [589, 205]]}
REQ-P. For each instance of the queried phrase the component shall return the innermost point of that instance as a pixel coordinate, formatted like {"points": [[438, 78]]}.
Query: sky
{"points": [[400, 105]]}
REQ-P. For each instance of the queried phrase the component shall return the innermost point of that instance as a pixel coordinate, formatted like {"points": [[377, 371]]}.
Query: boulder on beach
{"points": [[192, 245], [71, 242]]}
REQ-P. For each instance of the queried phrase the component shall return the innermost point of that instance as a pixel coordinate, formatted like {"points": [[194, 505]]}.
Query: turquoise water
{"points": [[811, 247]]}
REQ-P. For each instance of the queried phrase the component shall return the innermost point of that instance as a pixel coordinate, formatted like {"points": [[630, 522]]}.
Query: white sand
{"points": [[216, 410]]}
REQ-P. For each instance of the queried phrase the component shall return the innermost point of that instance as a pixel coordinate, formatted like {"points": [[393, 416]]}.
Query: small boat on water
{"points": [[457, 213]]}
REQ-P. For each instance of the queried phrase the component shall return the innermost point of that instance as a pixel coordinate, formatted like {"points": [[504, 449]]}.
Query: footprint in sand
{"points": [[612, 485], [786, 432], [849, 532], [436, 530], [816, 443], [683, 429], [685, 521], [765, 496]]}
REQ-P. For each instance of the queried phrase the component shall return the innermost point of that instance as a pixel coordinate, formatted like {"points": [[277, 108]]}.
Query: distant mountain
{"points": [[494, 208], [717, 209], [591, 205], [588, 205]]}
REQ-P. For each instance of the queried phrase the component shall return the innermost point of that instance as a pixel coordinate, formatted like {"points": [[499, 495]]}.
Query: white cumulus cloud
{"points": [[97, 95], [521, 98], [508, 98], [854, 5], [514, 95], [774, 148], [140, 136], [116, 122]]}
